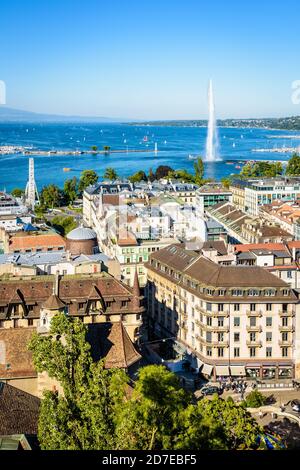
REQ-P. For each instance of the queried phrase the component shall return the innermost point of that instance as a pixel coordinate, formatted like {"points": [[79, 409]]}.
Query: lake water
{"points": [[175, 144]]}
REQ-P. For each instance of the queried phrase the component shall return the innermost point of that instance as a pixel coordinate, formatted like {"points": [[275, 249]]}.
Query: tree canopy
{"points": [[87, 178], [96, 412], [70, 190], [262, 169], [51, 196], [17, 192], [293, 166], [110, 174], [63, 225], [138, 176]]}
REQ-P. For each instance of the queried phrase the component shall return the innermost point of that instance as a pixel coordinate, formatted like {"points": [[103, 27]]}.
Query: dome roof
{"points": [[82, 233]]}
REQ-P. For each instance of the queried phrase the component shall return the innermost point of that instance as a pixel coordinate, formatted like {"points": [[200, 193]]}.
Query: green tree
{"points": [[82, 417], [163, 171], [94, 148], [226, 182], [199, 171], [293, 166], [110, 174], [70, 190], [137, 177], [220, 424], [255, 399], [51, 196], [151, 176], [17, 192], [262, 169], [63, 225], [106, 149], [148, 420], [87, 178]]}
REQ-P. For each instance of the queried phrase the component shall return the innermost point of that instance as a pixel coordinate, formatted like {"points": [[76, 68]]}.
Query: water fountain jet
{"points": [[212, 141]]}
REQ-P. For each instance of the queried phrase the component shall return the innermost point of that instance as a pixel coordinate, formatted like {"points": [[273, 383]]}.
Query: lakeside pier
{"points": [[10, 150]]}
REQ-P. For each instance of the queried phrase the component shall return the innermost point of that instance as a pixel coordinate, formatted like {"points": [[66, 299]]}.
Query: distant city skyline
{"points": [[150, 60]]}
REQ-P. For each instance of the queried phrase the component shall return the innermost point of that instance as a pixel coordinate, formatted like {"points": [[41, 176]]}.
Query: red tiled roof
{"points": [[36, 241]]}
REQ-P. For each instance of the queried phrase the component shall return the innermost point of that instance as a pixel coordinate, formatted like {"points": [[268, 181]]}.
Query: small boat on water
{"points": [[66, 170], [145, 139], [192, 157], [238, 167]]}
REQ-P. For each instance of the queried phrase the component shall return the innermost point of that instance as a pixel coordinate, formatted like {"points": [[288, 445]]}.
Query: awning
{"points": [[222, 370], [238, 371], [207, 369], [199, 363]]}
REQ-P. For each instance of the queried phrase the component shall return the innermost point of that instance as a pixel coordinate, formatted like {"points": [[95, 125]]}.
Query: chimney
{"points": [[56, 284]]}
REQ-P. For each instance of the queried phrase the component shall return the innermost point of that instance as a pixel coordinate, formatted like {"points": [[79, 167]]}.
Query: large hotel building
{"points": [[232, 320]]}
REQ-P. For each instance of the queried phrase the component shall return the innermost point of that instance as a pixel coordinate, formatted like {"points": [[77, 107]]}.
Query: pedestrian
{"points": [[260, 414]]}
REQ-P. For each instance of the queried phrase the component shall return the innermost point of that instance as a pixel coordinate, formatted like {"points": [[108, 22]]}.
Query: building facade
{"points": [[238, 321]]}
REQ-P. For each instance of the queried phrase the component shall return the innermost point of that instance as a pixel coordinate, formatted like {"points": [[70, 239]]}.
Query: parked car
{"points": [[211, 390], [295, 404]]}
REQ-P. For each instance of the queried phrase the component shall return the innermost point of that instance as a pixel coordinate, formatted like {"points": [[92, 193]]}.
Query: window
{"points": [[285, 336], [220, 337], [252, 337], [269, 307], [269, 321], [81, 305], [289, 274], [30, 322], [236, 337], [209, 352], [252, 352], [220, 352], [208, 336], [220, 307], [124, 304], [236, 307], [237, 293], [236, 321], [221, 321], [209, 321], [252, 307], [208, 307], [253, 293], [236, 352], [252, 321], [285, 321], [269, 352], [268, 337], [285, 352]]}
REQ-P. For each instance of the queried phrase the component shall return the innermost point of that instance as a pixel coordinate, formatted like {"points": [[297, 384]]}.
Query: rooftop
{"points": [[19, 411]]}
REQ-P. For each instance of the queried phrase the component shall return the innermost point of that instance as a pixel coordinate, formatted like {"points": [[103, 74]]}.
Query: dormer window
{"points": [[237, 293]]}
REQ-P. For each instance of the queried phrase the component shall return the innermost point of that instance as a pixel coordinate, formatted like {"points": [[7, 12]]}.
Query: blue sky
{"points": [[150, 59]]}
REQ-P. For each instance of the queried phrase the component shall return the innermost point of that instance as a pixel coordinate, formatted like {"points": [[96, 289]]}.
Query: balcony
{"points": [[254, 329], [286, 314], [213, 344], [287, 329], [286, 344], [256, 313], [254, 344]]}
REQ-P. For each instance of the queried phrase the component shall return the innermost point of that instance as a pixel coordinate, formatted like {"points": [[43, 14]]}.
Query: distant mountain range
{"points": [[17, 115]]}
